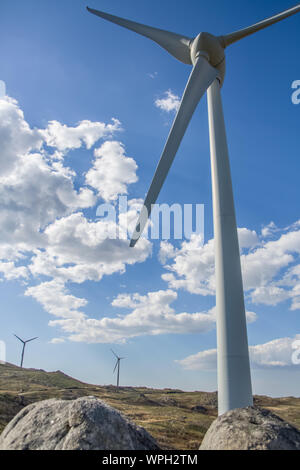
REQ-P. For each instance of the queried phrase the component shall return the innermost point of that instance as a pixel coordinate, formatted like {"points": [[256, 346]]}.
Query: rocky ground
{"points": [[176, 419]]}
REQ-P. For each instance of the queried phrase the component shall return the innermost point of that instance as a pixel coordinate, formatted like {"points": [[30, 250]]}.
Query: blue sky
{"points": [[81, 96]]}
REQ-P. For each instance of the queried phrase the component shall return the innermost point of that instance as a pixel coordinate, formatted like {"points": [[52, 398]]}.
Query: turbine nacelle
{"points": [[211, 47], [186, 49]]}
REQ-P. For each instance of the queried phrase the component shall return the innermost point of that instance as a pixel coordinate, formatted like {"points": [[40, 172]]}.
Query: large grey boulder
{"points": [[83, 424], [250, 429]]}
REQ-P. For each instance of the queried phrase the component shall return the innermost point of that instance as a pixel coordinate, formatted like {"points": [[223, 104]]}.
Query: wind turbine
{"points": [[117, 366], [24, 344], [206, 53]]}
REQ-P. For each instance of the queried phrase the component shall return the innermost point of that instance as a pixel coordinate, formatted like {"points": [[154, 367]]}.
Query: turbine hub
{"points": [[210, 46]]}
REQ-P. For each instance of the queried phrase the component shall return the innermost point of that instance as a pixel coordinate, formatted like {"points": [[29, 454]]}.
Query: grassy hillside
{"points": [[178, 420]]}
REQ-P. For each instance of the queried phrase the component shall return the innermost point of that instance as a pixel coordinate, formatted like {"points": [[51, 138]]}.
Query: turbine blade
{"points": [[229, 39], [177, 45], [202, 76], [19, 338], [116, 366], [114, 354], [36, 337]]}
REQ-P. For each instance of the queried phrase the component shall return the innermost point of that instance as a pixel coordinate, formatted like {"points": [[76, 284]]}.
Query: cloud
{"points": [[11, 271], [79, 250], [269, 230], [169, 103], [45, 234], [247, 238], [192, 268], [153, 75], [275, 353], [270, 295], [150, 315], [40, 204], [56, 300], [262, 265], [47, 241], [65, 138], [204, 360], [17, 138], [271, 268], [34, 189], [34, 195], [57, 340], [112, 171], [166, 252]]}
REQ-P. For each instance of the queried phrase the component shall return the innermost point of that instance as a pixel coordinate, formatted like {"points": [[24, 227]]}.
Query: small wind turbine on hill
{"points": [[117, 366], [206, 53], [24, 344]]}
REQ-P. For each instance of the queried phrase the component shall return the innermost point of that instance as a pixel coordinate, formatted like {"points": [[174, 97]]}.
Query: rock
{"points": [[200, 409], [83, 424], [250, 429], [168, 401]]}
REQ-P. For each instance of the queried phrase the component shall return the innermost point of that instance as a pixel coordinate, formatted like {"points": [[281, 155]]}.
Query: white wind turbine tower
{"points": [[206, 53], [23, 349], [117, 366]]}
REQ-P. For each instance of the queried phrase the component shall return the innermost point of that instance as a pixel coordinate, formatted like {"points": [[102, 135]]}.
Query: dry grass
{"points": [[169, 415]]}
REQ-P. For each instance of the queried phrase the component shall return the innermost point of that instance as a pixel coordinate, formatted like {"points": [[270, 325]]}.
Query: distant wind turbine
{"points": [[206, 54], [24, 344], [117, 366]]}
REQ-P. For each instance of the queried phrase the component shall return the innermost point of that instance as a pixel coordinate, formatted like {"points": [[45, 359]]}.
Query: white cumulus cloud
{"points": [[44, 229], [63, 137], [170, 102], [270, 268], [112, 171], [150, 314], [276, 353]]}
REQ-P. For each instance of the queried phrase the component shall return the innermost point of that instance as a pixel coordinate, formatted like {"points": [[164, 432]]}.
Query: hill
{"points": [[177, 419]]}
